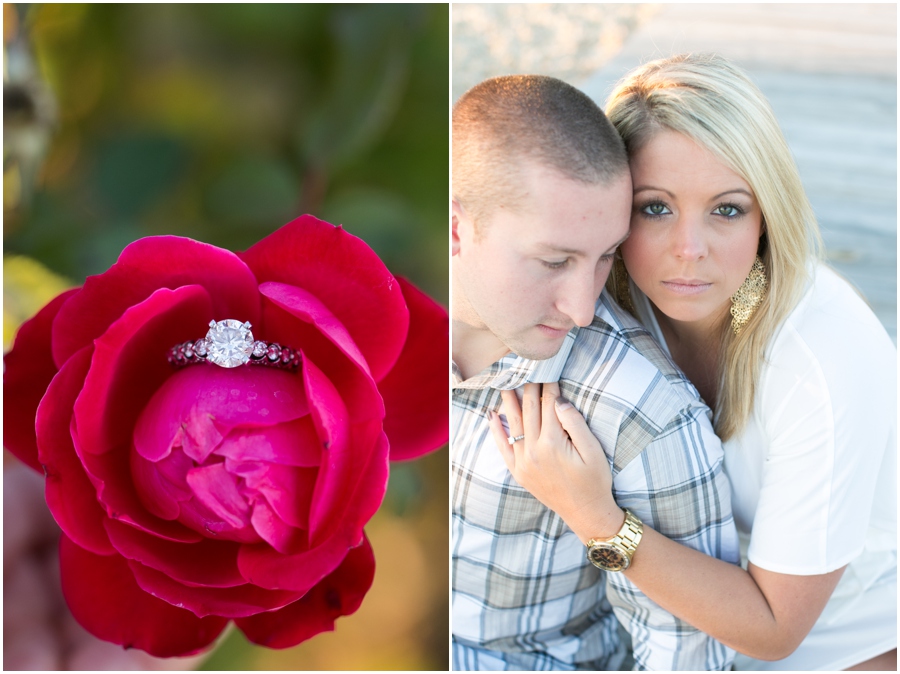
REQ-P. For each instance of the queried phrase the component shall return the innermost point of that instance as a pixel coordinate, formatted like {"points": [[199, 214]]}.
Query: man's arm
{"points": [[677, 486]]}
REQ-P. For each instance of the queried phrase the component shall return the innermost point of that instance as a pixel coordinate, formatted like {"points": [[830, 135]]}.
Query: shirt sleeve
{"points": [[676, 485]]}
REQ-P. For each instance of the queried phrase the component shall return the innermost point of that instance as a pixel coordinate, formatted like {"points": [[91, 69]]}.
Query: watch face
{"points": [[608, 557]]}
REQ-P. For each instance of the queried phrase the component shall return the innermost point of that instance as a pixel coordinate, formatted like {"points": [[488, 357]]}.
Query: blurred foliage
{"points": [[27, 286], [222, 123]]}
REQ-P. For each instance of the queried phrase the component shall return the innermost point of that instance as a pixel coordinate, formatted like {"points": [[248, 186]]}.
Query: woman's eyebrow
{"points": [[645, 188], [739, 189]]}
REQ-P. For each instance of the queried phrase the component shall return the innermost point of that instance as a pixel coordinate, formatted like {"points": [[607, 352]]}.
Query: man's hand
{"points": [[559, 461]]}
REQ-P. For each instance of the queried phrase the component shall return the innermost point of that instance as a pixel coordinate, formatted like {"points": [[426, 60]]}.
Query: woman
{"points": [[723, 267]]}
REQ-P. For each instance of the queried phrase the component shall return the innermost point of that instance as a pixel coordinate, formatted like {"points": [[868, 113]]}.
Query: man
{"points": [[541, 201]]}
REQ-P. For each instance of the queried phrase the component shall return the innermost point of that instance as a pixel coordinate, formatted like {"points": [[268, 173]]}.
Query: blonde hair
{"points": [[715, 104]]}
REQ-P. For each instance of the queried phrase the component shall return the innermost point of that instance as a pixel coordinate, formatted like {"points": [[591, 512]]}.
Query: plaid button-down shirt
{"points": [[524, 595]]}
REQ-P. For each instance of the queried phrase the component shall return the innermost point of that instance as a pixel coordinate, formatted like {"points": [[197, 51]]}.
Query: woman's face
{"points": [[695, 227]]}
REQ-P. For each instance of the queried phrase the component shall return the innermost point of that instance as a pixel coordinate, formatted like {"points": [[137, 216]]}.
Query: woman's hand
{"points": [[559, 461]]}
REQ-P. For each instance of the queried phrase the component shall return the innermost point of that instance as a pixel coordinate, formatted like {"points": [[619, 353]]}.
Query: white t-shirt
{"points": [[814, 472]]}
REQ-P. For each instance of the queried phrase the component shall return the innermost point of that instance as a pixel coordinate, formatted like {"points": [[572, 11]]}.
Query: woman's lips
{"points": [[686, 286]]}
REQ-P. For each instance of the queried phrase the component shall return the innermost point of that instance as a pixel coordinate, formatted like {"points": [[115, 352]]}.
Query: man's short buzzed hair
{"points": [[504, 120]]}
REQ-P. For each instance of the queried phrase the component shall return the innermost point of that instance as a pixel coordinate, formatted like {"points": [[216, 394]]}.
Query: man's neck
{"points": [[474, 349]]}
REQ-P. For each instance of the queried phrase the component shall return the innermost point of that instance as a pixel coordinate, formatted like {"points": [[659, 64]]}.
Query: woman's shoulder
{"points": [[833, 317], [834, 335]]}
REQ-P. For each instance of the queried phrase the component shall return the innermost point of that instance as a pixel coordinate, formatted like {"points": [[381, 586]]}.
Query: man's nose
{"points": [[578, 297]]}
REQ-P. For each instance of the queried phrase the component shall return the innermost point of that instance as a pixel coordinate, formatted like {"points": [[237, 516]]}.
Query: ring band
{"points": [[513, 440], [230, 343]]}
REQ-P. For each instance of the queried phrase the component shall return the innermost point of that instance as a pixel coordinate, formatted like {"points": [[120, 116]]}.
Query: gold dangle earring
{"points": [[620, 281], [749, 296]]}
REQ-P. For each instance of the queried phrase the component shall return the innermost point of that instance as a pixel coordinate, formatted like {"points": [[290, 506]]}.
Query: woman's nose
{"points": [[689, 238]]}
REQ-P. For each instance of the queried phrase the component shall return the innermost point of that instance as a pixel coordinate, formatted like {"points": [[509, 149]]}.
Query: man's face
{"points": [[531, 273]]}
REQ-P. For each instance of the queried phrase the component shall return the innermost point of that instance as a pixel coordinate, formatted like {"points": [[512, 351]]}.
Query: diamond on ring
{"points": [[514, 439], [230, 343]]}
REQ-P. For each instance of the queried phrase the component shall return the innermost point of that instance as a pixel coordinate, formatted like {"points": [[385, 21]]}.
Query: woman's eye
{"points": [[655, 209], [729, 210], [555, 265]]}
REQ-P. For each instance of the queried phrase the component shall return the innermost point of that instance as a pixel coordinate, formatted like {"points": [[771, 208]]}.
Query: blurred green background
{"points": [[222, 123]]}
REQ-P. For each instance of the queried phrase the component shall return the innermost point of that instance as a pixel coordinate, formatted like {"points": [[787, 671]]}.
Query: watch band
{"points": [[621, 547], [631, 532]]}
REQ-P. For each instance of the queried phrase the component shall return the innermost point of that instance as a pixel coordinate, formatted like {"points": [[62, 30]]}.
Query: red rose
{"points": [[191, 497]]}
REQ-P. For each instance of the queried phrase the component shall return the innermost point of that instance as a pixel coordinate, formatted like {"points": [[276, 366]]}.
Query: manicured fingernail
{"points": [[562, 404]]}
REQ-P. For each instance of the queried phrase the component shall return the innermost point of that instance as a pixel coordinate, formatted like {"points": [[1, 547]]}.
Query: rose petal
{"points": [[28, 369], [346, 472], [308, 308], [205, 564], [110, 473], [217, 490], [303, 570], [107, 602], [130, 364], [293, 443], [162, 486], [200, 435], [346, 275], [155, 492], [416, 393], [338, 594], [342, 463], [298, 572], [275, 531], [230, 602], [357, 387], [145, 266], [363, 499], [287, 489], [197, 516], [70, 495], [345, 461], [249, 397]]}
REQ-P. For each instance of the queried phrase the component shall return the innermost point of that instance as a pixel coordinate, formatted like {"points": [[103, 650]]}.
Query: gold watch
{"points": [[614, 554]]}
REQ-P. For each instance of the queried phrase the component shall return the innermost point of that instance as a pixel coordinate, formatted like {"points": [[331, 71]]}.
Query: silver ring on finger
{"points": [[513, 439]]}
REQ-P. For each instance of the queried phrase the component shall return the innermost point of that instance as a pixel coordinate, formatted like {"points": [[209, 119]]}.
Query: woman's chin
{"points": [[689, 313]]}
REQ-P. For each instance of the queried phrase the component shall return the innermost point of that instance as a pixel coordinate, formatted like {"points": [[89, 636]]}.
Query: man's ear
{"points": [[458, 215]]}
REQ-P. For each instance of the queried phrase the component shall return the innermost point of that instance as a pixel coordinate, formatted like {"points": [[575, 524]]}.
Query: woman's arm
{"points": [[759, 613]]}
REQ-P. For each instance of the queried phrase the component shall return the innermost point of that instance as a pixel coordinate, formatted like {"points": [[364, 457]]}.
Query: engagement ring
{"points": [[514, 439], [230, 343]]}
